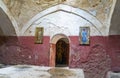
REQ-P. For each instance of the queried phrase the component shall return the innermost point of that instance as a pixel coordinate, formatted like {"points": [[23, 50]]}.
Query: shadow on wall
{"points": [[2, 38], [6, 29], [14, 52], [8, 35], [115, 23], [5, 25]]}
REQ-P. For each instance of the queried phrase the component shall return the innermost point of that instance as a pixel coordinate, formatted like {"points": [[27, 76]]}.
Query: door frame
{"points": [[52, 55]]}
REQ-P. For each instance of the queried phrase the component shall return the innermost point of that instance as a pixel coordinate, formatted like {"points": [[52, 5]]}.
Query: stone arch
{"points": [[115, 17], [6, 25], [56, 37], [53, 42], [68, 9], [9, 20]]}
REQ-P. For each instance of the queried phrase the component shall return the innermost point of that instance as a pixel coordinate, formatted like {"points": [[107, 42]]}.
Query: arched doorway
{"points": [[62, 52], [59, 51]]}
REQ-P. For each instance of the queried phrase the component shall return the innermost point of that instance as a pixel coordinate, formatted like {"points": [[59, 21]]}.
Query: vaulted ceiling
{"points": [[24, 10]]}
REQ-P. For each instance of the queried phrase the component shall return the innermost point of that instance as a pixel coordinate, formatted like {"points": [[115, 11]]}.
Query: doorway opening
{"points": [[59, 51], [62, 53]]}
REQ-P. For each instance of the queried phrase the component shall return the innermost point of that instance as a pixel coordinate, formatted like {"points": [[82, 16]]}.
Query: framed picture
{"points": [[84, 35], [39, 35]]}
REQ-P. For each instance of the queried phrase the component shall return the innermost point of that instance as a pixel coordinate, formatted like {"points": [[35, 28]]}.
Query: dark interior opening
{"points": [[62, 53]]}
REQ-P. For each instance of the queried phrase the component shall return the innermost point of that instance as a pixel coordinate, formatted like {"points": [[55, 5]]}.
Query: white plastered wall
{"points": [[66, 20]]}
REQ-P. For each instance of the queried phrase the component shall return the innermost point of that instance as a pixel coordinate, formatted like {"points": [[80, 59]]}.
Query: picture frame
{"points": [[39, 35], [84, 35]]}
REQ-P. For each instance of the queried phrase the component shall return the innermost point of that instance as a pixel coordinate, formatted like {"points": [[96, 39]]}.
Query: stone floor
{"points": [[111, 74], [28, 71]]}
